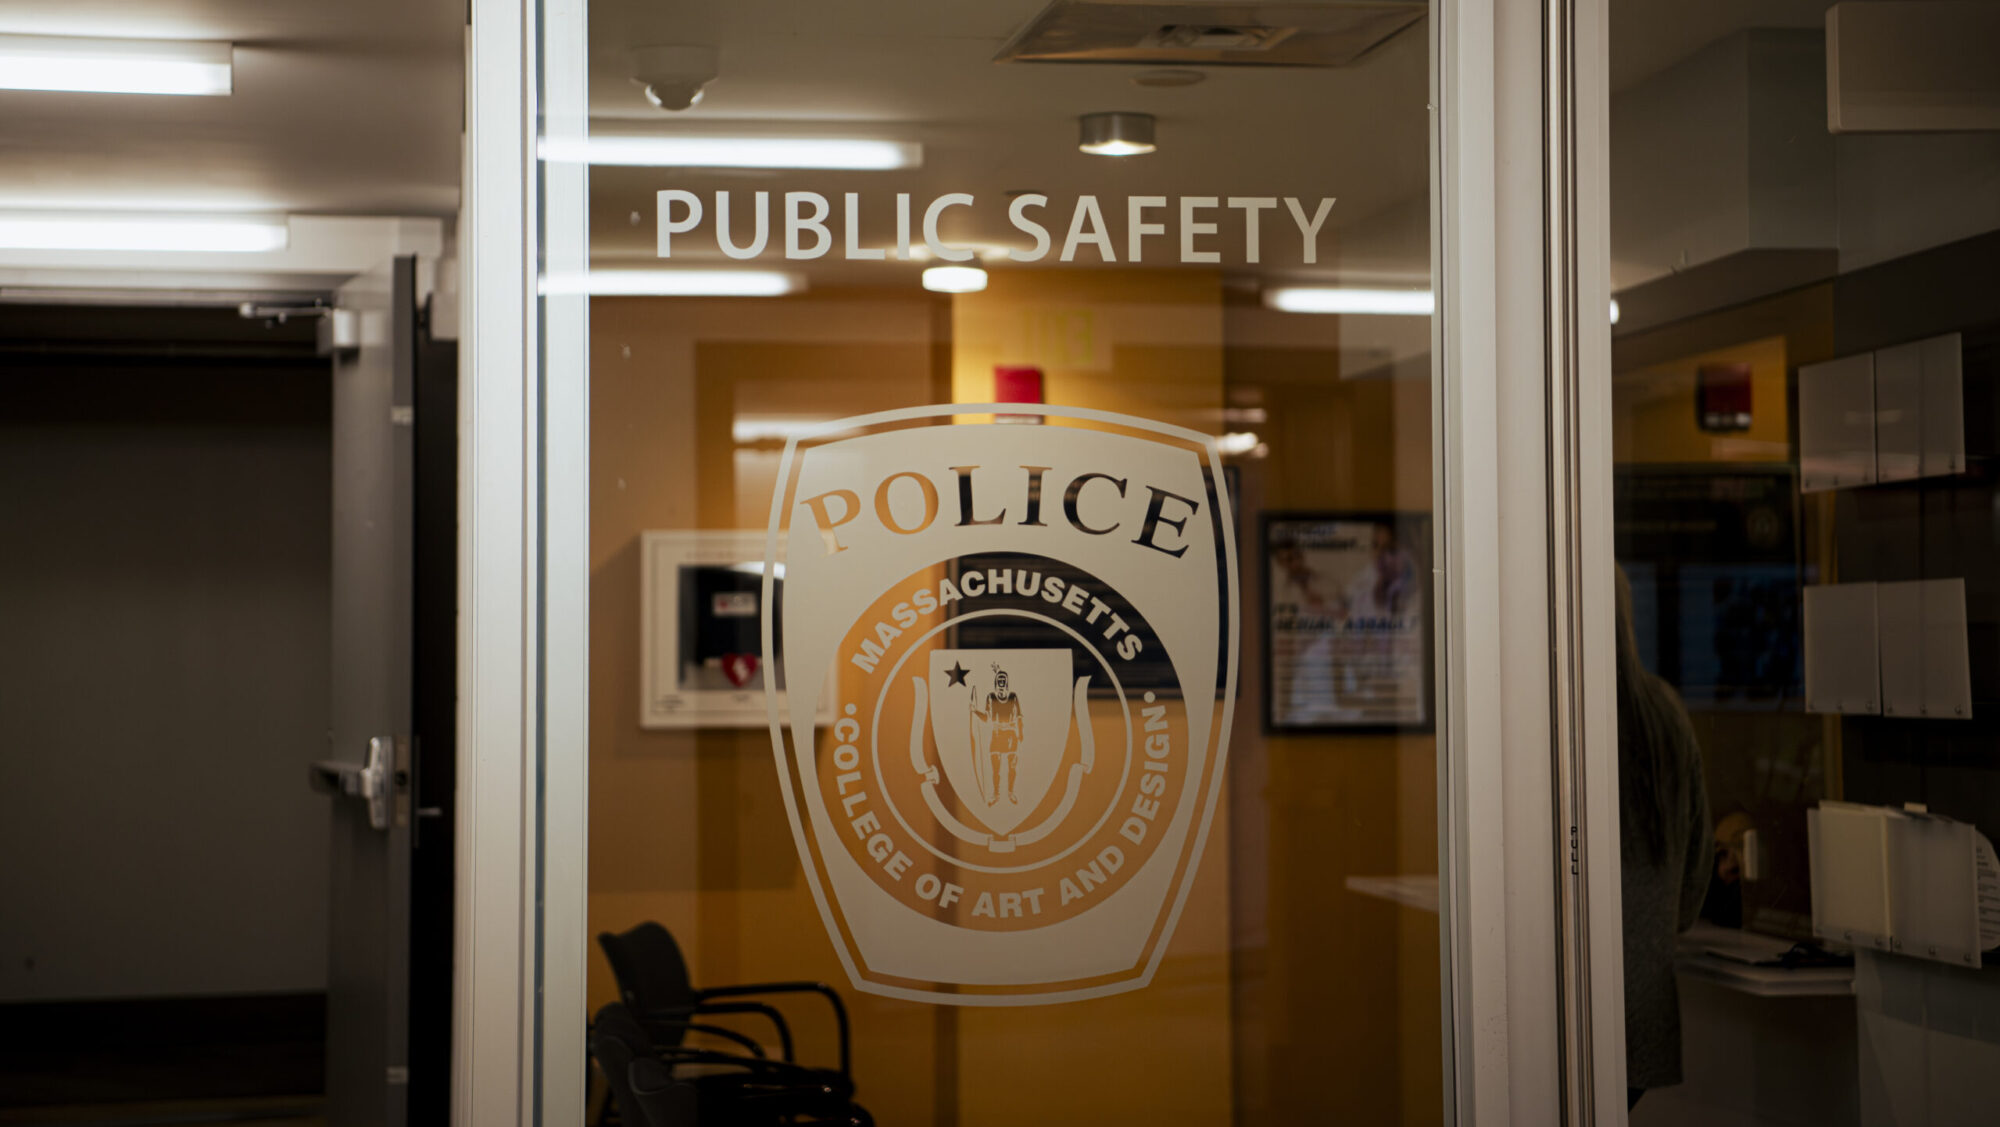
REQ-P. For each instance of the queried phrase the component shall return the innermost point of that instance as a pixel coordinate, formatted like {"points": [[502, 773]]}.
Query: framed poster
{"points": [[1347, 623], [701, 661]]}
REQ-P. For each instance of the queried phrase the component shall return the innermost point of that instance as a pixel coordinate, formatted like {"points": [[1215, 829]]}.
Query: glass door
{"points": [[1012, 629], [1803, 234]]}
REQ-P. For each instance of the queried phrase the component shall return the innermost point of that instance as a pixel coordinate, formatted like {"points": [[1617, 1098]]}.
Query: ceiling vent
{"points": [[1293, 35]]}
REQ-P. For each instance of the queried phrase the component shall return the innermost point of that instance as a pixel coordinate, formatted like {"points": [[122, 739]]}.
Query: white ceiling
{"points": [[352, 108]]}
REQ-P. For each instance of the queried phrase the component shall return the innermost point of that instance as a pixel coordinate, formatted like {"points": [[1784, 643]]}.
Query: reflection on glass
{"points": [[1799, 336]]}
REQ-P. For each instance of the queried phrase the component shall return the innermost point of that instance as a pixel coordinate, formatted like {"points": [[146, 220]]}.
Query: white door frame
{"points": [[518, 1022], [518, 1052], [1534, 1028]]}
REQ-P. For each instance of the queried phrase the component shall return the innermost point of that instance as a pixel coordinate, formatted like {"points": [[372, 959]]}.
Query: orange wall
{"points": [[687, 827], [1145, 343], [1347, 987], [1653, 409]]}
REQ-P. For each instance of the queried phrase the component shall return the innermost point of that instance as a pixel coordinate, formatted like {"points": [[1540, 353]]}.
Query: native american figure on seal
{"points": [[997, 732]]}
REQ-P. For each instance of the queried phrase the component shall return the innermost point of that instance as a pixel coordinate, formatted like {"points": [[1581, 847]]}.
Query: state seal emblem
{"points": [[1030, 635]]}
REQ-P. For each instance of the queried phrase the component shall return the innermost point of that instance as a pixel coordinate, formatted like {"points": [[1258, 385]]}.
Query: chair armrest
{"points": [[749, 1043], [822, 989], [683, 1015], [785, 1050]]}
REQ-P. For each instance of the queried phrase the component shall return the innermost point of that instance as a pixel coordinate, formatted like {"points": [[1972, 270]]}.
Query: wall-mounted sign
{"points": [[801, 225], [1347, 632], [1031, 639]]}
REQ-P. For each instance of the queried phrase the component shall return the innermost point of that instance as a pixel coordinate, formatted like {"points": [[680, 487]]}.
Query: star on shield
{"points": [[957, 673]]}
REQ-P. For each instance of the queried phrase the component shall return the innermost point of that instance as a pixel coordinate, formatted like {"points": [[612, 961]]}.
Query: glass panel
{"points": [[1101, 697], [1803, 356]]}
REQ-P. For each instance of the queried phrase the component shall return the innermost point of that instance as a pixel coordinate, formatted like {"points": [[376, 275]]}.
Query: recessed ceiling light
{"points": [[676, 283], [737, 152], [1115, 134], [954, 279], [1173, 76], [191, 231], [114, 66], [1342, 299]]}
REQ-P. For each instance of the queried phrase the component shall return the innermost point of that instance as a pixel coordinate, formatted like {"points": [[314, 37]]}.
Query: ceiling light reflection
{"points": [[736, 152], [675, 283], [1341, 299]]}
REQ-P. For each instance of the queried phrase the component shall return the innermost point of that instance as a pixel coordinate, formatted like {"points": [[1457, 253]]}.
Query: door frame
{"points": [[1534, 1029], [517, 1034], [1532, 1026]]}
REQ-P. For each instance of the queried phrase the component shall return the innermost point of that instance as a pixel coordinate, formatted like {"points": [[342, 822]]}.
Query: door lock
{"points": [[376, 781]]}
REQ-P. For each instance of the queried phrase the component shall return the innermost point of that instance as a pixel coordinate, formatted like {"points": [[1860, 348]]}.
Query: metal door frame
{"points": [[1534, 1024], [518, 1028]]}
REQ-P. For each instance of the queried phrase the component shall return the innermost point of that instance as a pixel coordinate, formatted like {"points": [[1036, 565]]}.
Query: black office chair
{"points": [[688, 1087], [616, 1040], [654, 983], [670, 1100]]}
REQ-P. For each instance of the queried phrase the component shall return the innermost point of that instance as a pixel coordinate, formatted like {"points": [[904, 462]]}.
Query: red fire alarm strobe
{"points": [[1017, 383]]}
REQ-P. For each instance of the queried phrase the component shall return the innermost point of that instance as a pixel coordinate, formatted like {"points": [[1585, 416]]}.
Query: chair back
{"points": [[616, 1041], [652, 976]]}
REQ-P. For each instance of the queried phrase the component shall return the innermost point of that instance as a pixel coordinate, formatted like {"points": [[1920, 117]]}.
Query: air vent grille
{"points": [[1297, 34]]}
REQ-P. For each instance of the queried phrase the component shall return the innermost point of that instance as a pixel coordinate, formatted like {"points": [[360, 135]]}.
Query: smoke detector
{"points": [[673, 76]]}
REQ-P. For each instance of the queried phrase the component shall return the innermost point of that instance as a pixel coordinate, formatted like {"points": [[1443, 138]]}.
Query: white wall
{"points": [[1905, 192], [163, 684]]}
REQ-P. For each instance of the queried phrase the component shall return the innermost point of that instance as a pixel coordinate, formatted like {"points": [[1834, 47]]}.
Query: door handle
{"points": [[374, 781]]}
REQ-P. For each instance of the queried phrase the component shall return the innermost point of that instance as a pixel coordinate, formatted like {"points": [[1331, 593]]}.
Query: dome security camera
{"points": [[673, 77]]}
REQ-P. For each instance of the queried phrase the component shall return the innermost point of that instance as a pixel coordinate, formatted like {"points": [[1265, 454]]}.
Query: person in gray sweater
{"points": [[1665, 851]]}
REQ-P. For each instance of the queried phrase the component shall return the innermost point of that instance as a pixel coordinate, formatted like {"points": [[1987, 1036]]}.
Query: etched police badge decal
{"points": [[1030, 634]]}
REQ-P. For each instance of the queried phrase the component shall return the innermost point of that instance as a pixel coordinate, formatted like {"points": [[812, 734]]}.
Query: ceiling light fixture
{"points": [[954, 279], [676, 283], [1341, 299], [1115, 134], [114, 66], [737, 152], [192, 231]]}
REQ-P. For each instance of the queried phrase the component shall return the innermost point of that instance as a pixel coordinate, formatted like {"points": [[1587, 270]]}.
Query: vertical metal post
{"points": [[1568, 670]]}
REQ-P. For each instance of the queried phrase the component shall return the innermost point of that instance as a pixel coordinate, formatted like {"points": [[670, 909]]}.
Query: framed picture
{"points": [[1347, 622], [701, 645]]}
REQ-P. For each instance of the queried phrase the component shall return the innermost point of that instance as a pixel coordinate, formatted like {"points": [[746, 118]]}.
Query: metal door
{"points": [[369, 760]]}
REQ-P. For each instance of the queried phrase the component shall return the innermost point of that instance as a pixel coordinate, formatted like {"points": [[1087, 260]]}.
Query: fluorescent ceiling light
{"points": [[954, 279], [190, 231], [114, 66], [1339, 299], [676, 283], [736, 152]]}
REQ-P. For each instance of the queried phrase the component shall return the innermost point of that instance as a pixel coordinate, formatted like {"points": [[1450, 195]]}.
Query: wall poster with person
{"points": [[1347, 638]]}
